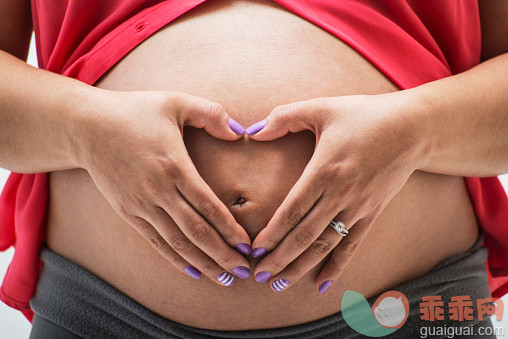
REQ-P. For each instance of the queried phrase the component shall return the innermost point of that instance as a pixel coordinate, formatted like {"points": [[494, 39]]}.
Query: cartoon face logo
{"points": [[391, 309], [388, 313]]}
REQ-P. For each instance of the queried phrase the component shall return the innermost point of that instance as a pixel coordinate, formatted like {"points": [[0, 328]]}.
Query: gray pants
{"points": [[71, 302]]}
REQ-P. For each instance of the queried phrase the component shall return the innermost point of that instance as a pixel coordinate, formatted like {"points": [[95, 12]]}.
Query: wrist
{"points": [[413, 113], [83, 121], [425, 111]]}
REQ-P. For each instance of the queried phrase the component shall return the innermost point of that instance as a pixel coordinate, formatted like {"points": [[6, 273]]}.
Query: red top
{"points": [[412, 42]]}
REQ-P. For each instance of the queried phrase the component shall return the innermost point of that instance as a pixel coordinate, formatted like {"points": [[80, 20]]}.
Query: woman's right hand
{"points": [[132, 147]]}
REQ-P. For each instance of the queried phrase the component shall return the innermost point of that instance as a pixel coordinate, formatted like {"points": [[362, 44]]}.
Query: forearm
{"points": [[462, 121], [38, 110]]}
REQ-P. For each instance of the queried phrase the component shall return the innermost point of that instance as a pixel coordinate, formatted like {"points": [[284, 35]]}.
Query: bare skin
{"points": [[404, 242], [249, 83]]}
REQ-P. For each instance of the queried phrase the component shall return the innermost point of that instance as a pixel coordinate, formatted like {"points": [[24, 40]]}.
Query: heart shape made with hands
{"points": [[366, 172]]}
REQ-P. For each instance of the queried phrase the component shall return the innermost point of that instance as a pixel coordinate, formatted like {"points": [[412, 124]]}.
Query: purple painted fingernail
{"points": [[226, 279], [235, 126], [279, 285], [324, 286], [261, 277], [243, 248], [241, 272], [193, 272], [258, 126], [257, 252]]}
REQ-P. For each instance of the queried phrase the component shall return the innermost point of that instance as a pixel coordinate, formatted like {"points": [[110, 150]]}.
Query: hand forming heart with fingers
{"points": [[134, 151], [367, 146]]}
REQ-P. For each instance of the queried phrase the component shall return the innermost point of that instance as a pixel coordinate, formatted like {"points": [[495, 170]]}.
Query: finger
{"points": [[200, 264], [168, 233], [309, 259], [202, 113], [201, 197], [206, 238], [342, 254], [300, 238], [300, 199], [158, 243], [294, 117]]}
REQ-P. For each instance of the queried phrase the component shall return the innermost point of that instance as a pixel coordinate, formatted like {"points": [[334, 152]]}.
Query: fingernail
{"points": [[243, 248], [257, 252], [241, 272], [279, 285], [235, 126], [261, 277], [226, 279], [324, 286], [193, 272], [258, 126]]}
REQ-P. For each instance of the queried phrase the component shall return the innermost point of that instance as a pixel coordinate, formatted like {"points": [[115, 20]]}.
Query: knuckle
{"points": [[208, 267], [209, 210], [290, 218], [361, 208], [151, 185], [327, 106], [304, 238], [156, 241], [140, 202], [225, 260], [213, 109], [167, 252], [180, 243], [329, 177], [122, 210], [321, 247], [349, 187], [296, 270], [200, 232], [284, 112], [174, 100], [135, 202], [349, 249], [169, 166]]}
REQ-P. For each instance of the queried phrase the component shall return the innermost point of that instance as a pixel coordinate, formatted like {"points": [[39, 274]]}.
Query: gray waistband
{"points": [[77, 300]]}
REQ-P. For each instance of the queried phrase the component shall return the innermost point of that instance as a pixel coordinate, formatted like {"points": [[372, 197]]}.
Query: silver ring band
{"points": [[339, 227]]}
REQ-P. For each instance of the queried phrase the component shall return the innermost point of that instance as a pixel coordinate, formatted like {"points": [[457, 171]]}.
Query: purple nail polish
{"points": [[241, 272], [261, 277], [193, 272], [324, 286], [226, 279], [279, 285], [243, 248], [235, 126], [257, 252], [258, 126]]}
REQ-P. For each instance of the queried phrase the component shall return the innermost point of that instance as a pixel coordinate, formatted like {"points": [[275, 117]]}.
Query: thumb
{"points": [[202, 113], [294, 117]]}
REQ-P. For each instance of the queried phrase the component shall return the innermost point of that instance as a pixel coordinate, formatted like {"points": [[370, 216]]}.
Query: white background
{"points": [[14, 325]]}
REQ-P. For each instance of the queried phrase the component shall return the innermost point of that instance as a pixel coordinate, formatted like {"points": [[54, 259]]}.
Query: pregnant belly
{"points": [[252, 56]]}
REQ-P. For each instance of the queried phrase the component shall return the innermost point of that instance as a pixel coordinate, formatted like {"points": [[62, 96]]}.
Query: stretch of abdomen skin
{"points": [[252, 56]]}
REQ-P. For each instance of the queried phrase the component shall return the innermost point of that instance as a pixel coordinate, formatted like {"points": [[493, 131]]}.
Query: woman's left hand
{"points": [[367, 146]]}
